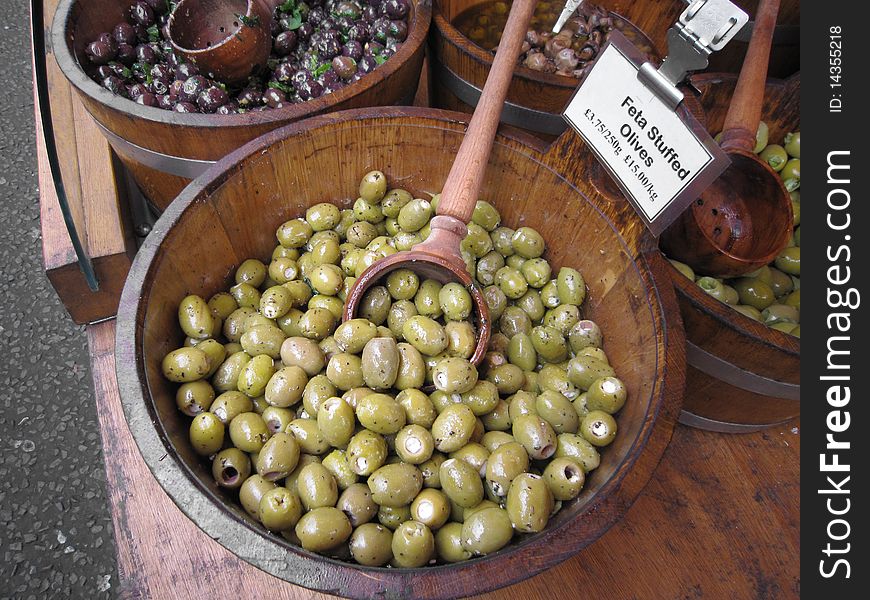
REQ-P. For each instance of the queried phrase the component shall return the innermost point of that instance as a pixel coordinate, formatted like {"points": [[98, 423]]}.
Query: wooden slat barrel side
{"points": [[201, 137], [535, 99], [231, 213]]}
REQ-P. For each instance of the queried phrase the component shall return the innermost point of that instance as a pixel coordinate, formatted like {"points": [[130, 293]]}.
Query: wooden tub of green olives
{"points": [[742, 374], [233, 212], [463, 37], [164, 149]]}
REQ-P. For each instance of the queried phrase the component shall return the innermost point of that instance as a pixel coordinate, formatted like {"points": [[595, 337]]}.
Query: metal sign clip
{"points": [[703, 28]]}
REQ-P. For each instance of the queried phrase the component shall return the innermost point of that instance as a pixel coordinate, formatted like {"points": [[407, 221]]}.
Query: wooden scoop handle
{"points": [[741, 121], [465, 179]]}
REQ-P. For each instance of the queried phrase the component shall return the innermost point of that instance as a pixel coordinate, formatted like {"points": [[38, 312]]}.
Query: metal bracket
{"points": [[703, 28]]}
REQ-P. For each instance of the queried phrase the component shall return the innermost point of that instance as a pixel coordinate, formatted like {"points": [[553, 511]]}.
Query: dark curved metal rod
{"points": [[37, 27]]}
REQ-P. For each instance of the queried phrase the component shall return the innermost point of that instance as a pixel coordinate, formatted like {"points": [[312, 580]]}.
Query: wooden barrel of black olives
{"points": [[463, 38], [741, 375], [164, 149]]}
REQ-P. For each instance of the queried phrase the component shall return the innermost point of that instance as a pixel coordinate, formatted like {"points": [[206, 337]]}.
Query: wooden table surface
{"points": [[719, 519]]}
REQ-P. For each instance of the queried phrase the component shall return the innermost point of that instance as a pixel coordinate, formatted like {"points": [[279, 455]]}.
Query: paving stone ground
{"points": [[56, 538]]}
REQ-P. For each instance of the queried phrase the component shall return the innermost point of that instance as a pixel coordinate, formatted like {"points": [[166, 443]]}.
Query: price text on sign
{"points": [[660, 159]]}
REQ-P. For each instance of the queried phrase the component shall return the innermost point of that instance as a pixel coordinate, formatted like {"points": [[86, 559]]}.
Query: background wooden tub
{"points": [[742, 375], [535, 100], [231, 213], [163, 149]]}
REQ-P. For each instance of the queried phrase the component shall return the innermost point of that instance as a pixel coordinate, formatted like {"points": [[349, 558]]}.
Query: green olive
{"points": [[536, 435], [373, 186], [461, 482], [511, 282], [514, 320], [280, 509], [754, 292], [474, 454], [414, 444], [195, 318], [323, 528], [248, 432], [558, 411], [375, 305], [222, 305], [487, 531], [206, 434], [278, 457], [527, 242], [256, 375], [194, 397], [277, 419], [529, 503], [366, 452], [482, 398], [425, 334], [498, 419], [414, 215], [461, 339], [294, 233], [454, 375], [496, 301], [231, 404], [251, 493], [508, 378], [761, 136], [412, 368], [263, 339], [598, 427], [309, 436], [391, 517], [505, 463], [336, 421], [395, 484], [246, 295], [317, 323], [345, 371], [413, 545], [230, 468], [380, 363], [584, 370], [565, 477], [431, 507], [356, 502], [607, 394], [226, 377], [453, 427], [185, 365], [371, 545], [448, 543], [316, 486], [789, 261]]}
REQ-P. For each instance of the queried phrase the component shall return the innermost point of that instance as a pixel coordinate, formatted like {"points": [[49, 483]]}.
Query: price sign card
{"points": [[661, 159]]}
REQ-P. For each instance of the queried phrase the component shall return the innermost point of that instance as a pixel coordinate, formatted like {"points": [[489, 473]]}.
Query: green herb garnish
{"points": [[288, 6], [126, 73], [287, 89], [321, 70], [249, 21], [153, 33]]}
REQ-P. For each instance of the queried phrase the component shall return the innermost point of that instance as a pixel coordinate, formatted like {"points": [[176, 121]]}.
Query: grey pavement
{"points": [[56, 538]]}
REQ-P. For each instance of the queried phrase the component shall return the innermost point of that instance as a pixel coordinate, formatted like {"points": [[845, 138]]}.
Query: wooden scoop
{"points": [[744, 219], [439, 257], [226, 39]]}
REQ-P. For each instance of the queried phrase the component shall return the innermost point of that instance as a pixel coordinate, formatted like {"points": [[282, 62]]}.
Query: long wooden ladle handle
{"points": [[465, 179], [741, 121]]}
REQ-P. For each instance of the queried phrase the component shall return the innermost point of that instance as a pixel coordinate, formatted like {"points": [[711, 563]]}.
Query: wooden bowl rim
{"points": [[481, 56], [314, 571], [421, 17]]}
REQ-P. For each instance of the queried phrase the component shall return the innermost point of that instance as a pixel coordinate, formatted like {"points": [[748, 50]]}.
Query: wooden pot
{"points": [[535, 100], [231, 213], [742, 375], [165, 150]]}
